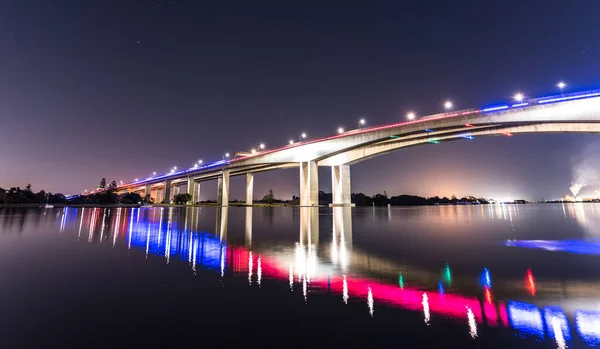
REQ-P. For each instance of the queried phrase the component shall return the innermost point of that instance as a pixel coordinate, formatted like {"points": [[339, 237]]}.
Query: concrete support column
{"points": [[309, 184], [223, 189], [193, 188], [249, 188], [167, 191], [340, 186]]}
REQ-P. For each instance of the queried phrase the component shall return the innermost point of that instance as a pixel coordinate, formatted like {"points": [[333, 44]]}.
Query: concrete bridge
{"points": [[568, 113]]}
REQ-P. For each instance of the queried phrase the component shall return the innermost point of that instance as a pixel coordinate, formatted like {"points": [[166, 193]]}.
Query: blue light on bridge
{"points": [[434, 141], [520, 105], [429, 130], [496, 108], [568, 98], [467, 136]]}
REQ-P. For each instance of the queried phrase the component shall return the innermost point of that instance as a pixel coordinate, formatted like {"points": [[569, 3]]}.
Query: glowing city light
{"points": [[340, 130], [448, 105], [411, 116]]}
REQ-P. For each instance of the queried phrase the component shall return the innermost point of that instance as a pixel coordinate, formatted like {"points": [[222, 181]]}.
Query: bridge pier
{"points": [[340, 186], [147, 192], [223, 189], [249, 188], [309, 184], [193, 188], [167, 191]]}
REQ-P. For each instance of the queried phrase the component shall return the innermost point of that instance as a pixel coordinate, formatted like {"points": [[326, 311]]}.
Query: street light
{"points": [[411, 116], [199, 162], [225, 156], [519, 97], [361, 122], [302, 136], [448, 105], [291, 141], [136, 179], [153, 173], [561, 85], [340, 130]]}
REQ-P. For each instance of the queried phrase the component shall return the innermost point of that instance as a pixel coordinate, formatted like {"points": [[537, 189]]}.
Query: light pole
{"points": [[153, 174], [291, 141], [447, 106], [226, 156], [561, 85], [340, 130], [301, 137], [411, 116], [260, 147], [361, 122], [519, 97]]}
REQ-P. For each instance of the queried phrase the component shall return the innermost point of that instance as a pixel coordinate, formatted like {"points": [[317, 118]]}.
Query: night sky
{"points": [[119, 89]]}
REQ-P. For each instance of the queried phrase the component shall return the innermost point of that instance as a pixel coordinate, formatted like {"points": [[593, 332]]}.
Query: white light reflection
{"points": [[190, 242], [103, 225], [130, 232], [92, 224], [250, 268], [425, 303], [116, 232], [472, 323], [168, 243], [291, 278], [558, 333], [148, 241], [345, 290], [258, 271], [222, 260], [304, 288], [81, 222], [63, 220], [194, 256], [370, 301]]}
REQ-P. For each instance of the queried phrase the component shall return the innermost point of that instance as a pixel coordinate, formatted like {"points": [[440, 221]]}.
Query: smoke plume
{"points": [[586, 170]]}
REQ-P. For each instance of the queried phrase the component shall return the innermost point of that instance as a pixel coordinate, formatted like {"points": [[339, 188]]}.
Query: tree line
{"points": [[18, 196]]}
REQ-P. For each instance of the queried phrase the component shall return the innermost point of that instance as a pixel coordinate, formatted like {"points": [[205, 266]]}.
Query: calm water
{"points": [[465, 276]]}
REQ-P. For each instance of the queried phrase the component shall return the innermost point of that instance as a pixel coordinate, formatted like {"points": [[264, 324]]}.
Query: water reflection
{"points": [[315, 263]]}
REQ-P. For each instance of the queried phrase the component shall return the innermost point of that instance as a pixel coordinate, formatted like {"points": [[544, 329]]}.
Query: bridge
{"points": [[565, 113]]}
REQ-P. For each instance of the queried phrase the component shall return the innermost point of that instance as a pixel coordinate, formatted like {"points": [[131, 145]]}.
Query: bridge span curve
{"points": [[570, 113]]}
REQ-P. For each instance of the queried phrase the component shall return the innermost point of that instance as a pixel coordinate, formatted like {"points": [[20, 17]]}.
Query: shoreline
{"points": [[208, 204]]}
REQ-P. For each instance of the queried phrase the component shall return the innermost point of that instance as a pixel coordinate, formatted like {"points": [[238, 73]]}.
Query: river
{"points": [[481, 276]]}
